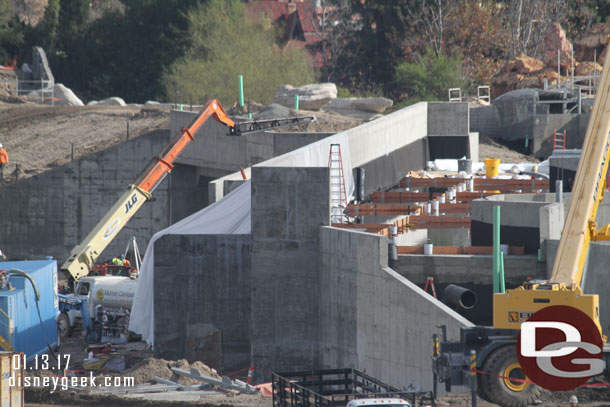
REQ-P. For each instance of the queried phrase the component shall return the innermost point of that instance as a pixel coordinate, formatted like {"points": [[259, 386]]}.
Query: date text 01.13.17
{"points": [[40, 362]]}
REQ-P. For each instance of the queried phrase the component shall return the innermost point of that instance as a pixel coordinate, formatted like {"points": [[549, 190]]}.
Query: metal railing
{"points": [[44, 87]]}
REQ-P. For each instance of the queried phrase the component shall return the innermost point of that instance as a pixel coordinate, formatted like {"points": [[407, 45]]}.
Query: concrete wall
{"points": [[390, 146], [539, 128], [288, 207], [470, 271], [519, 219], [50, 213], [218, 154], [448, 119], [373, 319], [202, 286]]}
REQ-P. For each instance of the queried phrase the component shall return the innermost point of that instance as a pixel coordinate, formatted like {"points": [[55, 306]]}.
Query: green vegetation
{"points": [[191, 50], [225, 44], [428, 78]]}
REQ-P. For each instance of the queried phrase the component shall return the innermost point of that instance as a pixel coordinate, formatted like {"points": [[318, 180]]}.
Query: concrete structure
{"points": [[304, 274], [216, 155], [389, 147], [538, 128], [207, 290], [50, 213], [288, 207], [519, 218], [471, 271], [370, 317]]}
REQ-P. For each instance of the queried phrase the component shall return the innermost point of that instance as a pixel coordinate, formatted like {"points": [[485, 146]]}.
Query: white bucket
{"points": [[428, 248]]}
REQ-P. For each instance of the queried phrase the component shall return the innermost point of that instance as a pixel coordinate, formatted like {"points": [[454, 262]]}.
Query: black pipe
{"points": [[461, 296], [359, 184]]}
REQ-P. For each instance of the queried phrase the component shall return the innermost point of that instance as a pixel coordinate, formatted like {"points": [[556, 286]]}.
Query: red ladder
{"points": [[559, 142], [430, 283], [338, 193]]}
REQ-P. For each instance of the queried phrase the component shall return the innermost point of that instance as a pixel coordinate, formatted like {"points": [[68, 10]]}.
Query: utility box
{"points": [[20, 316]]}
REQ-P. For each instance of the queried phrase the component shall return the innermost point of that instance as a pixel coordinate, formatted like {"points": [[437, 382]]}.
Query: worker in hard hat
{"points": [[118, 261], [573, 401], [3, 161]]}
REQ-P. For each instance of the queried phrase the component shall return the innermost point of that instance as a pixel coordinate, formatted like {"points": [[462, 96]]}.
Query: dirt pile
{"points": [[145, 371], [489, 148], [38, 137]]}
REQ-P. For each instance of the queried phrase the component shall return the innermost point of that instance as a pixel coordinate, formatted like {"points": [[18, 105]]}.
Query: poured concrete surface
{"points": [[371, 317]]}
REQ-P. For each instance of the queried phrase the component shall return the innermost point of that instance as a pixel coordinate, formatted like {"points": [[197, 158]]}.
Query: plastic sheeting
{"points": [[230, 215]]}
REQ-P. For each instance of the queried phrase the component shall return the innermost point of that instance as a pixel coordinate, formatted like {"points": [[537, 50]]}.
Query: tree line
{"points": [[191, 50]]}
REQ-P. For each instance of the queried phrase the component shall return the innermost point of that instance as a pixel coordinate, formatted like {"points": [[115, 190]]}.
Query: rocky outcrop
{"points": [[592, 45], [523, 65], [62, 95], [361, 108], [587, 68], [113, 101], [555, 41], [311, 97]]}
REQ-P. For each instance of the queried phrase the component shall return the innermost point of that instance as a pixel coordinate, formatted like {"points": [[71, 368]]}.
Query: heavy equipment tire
{"points": [[504, 392], [63, 325]]}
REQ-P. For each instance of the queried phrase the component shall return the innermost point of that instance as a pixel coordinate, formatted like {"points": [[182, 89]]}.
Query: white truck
{"points": [[109, 291]]}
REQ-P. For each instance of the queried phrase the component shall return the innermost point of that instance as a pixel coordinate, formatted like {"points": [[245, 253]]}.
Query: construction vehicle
{"points": [[82, 258], [69, 304], [494, 348], [112, 292], [341, 388]]}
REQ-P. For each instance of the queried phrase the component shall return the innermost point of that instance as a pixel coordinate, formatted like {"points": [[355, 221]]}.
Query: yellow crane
{"points": [[495, 346]]}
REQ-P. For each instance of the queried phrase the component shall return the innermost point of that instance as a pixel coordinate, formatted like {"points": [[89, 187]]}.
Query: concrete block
{"points": [[288, 207], [448, 119], [213, 294]]}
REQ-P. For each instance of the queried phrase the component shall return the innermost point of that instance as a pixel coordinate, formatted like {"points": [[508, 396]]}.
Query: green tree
{"points": [[427, 79], [11, 32], [124, 54], [45, 34], [225, 44]]}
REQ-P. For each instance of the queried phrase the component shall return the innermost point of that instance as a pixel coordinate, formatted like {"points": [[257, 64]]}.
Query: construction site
{"points": [[317, 251]]}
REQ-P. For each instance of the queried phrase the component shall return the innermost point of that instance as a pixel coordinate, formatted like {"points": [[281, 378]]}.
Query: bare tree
{"points": [[432, 16], [334, 25], [528, 22]]}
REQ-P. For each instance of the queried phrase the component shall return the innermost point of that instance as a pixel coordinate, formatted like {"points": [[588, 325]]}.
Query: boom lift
{"points": [[496, 346], [83, 257]]}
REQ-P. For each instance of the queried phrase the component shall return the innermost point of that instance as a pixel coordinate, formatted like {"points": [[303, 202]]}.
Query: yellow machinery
{"points": [[495, 346]]}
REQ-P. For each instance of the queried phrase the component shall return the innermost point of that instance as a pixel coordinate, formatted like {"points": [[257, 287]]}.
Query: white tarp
{"points": [[230, 215]]}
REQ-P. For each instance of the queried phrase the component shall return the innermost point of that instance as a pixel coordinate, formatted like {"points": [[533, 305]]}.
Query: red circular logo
{"points": [[560, 348]]}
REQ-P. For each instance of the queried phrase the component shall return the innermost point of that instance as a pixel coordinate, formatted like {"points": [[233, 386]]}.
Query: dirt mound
{"points": [[146, 370], [41, 137], [490, 148]]}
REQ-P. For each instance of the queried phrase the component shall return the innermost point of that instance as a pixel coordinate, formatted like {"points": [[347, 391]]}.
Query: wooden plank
{"points": [[454, 250], [479, 183]]}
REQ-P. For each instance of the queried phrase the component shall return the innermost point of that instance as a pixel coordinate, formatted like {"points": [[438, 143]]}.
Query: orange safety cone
{"points": [[250, 374]]}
